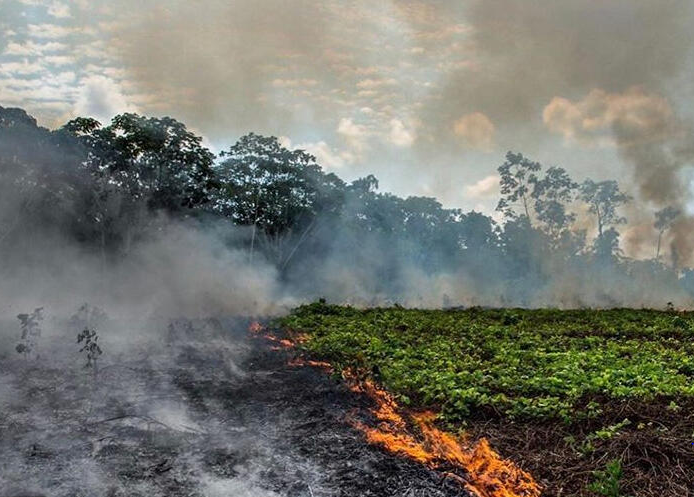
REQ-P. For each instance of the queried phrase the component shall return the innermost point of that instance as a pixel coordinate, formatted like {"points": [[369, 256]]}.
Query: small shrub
{"points": [[606, 483], [90, 348], [30, 325]]}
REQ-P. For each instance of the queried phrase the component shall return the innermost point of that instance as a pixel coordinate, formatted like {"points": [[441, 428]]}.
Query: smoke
{"points": [[526, 53], [223, 62]]}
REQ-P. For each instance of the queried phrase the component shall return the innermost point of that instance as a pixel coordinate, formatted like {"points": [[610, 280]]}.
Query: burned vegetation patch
{"points": [[208, 410]]}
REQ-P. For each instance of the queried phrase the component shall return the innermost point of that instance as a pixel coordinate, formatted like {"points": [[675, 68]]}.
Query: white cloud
{"points": [[484, 188], [370, 84], [400, 135], [24, 68], [293, 83], [355, 134], [59, 10], [476, 130], [59, 60], [52, 31], [31, 48], [325, 155], [102, 98]]}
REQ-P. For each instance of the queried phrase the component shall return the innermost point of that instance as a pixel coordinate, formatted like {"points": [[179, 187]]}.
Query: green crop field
{"points": [[581, 372]]}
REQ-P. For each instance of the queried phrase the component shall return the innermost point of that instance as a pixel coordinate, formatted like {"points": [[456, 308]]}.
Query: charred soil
{"points": [[224, 414]]}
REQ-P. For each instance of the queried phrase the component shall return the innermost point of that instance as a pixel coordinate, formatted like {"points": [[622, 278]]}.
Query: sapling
{"points": [[30, 325], [90, 348]]}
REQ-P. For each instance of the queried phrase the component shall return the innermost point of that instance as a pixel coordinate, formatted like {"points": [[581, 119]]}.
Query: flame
{"points": [[486, 473], [282, 343], [299, 362]]}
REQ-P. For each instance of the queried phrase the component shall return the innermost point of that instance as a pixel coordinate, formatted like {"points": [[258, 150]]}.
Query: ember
{"points": [[255, 327], [300, 362]]}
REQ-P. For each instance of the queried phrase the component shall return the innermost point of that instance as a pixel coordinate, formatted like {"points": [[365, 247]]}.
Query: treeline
{"points": [[108, 186]]}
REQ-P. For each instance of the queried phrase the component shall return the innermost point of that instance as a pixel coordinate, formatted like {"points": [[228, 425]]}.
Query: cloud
{"points": [[24, 68], [31, 48], [371, 84], [59, 10], [293, 83], [476, 130], [401, 135], [355, 134], [485, 188], [325, 155], [102, 98], [53, 31], [603, 118]]}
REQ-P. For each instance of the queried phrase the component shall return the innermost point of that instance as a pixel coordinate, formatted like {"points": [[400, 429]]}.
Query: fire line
{"points": [[484, 473]]}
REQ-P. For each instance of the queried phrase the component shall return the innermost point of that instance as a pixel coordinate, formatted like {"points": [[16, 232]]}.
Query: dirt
{"points": [[654, 446]]}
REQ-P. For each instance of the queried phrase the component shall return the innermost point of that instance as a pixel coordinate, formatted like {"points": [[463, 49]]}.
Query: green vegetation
{"points": [[522, 364], [606, 481]]}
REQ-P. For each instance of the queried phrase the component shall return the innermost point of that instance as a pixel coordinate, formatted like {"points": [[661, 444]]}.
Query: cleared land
{"points": [[563, 393]]}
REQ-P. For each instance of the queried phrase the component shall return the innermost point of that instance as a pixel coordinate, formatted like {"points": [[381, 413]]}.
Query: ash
{"points": [[212, 411]]}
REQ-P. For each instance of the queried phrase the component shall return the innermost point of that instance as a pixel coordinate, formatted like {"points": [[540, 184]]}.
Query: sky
{"points": [[426, 95]]}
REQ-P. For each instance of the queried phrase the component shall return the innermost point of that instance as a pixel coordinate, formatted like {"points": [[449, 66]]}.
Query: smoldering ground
{"points": [[202, 408]]}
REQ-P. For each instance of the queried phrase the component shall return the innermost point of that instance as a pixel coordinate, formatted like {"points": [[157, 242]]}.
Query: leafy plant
{"points": [[606, 482], [30, 326], [530, 364], [90, 349]]}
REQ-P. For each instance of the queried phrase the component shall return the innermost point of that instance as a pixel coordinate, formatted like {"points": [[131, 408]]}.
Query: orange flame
{"points": [[299, 362], [487, 474]]}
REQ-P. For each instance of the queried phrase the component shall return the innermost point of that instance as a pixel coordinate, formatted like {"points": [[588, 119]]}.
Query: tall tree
{"points": [[40, 176], [603, 199], [156, 159], [516, 176], [278, 192], [552, 194]]}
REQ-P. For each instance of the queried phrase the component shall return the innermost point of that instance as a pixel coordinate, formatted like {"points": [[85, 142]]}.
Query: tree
{"points": [[603, 199], [606, 245], [663, 221], [157, 159], [280, 193], [516, 174], [40, 177], [430, 231], [138, 165], [478, 233], [552, 194]]}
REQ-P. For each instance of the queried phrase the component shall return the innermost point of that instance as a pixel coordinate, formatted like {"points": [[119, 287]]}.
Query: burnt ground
{"points": [[209, 411], [653, 441]]}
